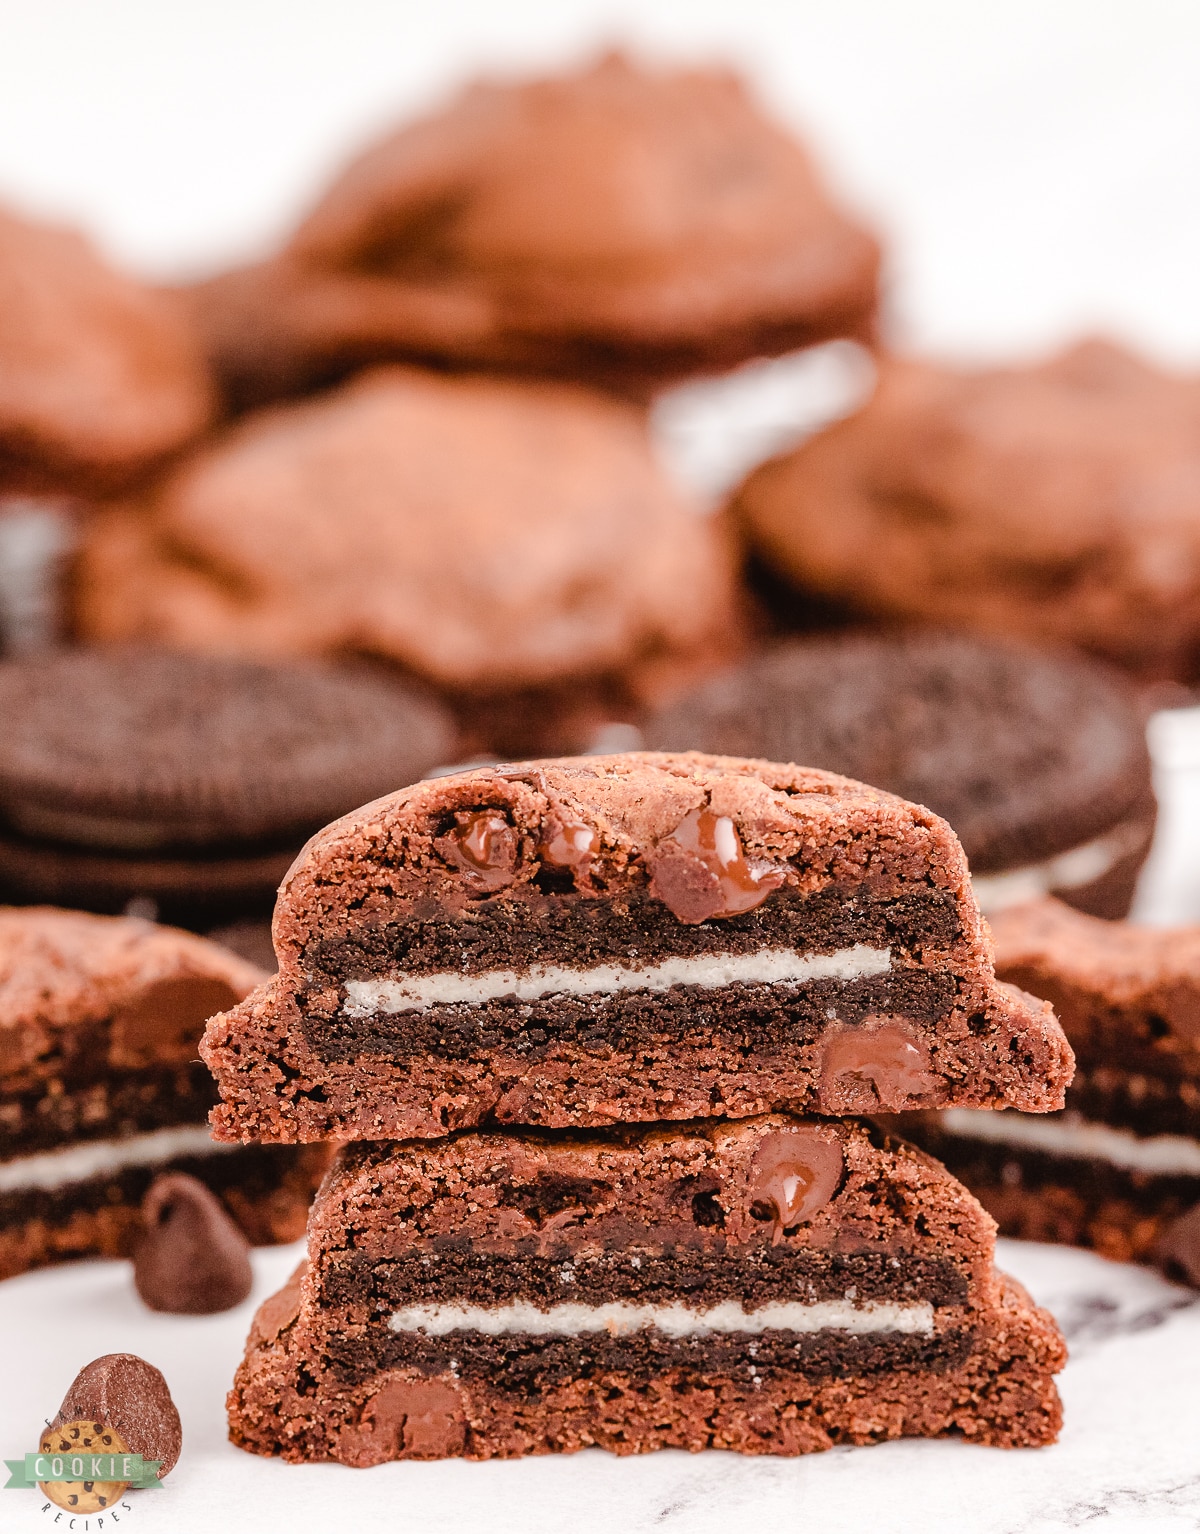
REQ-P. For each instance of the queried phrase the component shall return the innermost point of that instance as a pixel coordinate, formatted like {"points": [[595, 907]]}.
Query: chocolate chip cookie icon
{"points": [[73, 1443]]}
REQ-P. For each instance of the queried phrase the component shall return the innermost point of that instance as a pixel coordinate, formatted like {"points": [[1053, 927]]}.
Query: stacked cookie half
{"points": [[597, 1031]]}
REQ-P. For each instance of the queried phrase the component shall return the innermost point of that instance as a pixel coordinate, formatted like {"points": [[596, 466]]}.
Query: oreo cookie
{"points": [[1037, 759], [185, 784]]}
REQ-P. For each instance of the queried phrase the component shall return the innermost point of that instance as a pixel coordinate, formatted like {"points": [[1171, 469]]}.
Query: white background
{"points": [[1035, 168]]}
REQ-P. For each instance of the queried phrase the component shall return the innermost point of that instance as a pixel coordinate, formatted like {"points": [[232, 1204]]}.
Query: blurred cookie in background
{"points": [[101, 1088], [100, 376], [182, 786], [622, 224], [1059, 502], [1118, 1169], [1037, 759], [514, 545]]}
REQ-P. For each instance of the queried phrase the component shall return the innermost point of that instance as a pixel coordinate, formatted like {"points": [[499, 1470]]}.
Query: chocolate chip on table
{"points": [[191, 1260], [123, 1392]]}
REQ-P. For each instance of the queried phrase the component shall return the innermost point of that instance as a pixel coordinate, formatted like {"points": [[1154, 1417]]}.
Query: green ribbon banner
{"points": [[131, 1468]]}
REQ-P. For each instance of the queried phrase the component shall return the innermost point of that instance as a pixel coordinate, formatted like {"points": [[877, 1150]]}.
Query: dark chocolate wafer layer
{"points": [[759, 1017], [478, 1276], [630, 927], [524, 1365]]}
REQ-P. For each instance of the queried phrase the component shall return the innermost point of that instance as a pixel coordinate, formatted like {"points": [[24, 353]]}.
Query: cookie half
{"points": [[615, 939], [101, 1090], [775, 1286], [1119, 1169]]}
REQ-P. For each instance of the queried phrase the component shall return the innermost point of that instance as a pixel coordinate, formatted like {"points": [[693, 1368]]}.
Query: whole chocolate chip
{"points": [[191, 1260], [124, 1392]]}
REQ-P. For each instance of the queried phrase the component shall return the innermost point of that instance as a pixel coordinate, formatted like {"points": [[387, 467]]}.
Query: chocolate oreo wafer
{"points": [[187, 783], [1037, 758]]}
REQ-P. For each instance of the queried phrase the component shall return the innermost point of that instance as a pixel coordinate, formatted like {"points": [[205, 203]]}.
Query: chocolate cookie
{"points": [[101, 1090], [493, 538], [1119, 1169], [627, 938], [622, 223], [1038, 760], [99, 376], [188, 780], [775, 1286], [1058, 502]]}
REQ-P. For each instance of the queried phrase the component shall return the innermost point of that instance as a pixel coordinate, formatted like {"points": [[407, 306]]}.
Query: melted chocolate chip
{"points": [[167, 1020], [484, 845], [192, 1260], [872, 1067], [123, 1392], [568, 844], [421, 1419], [795, 1174], [700, 871]]}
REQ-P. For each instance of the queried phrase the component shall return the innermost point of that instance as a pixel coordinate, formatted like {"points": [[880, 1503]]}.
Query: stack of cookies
{"points": [[597, 1031]]}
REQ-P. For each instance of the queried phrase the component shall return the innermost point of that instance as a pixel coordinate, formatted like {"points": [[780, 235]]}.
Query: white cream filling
{"points": [[766, 966], [1066, 871], [619, 1318], [1165, 1155], [76, 1163]]}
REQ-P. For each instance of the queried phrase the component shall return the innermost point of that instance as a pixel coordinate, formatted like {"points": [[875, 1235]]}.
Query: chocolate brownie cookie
{"points": [[1038, 760], [101, 1090], [189, 780], [625, 938], [775, 1286], [1119, 1169], [621, 223], [490, 537], [1058, 502], [99, 376]]}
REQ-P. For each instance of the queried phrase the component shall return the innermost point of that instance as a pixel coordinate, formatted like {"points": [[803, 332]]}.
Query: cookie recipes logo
{"points": [[84, 1470]]}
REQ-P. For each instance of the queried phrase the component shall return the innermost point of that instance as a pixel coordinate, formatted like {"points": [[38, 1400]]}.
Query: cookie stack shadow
{"points": [[596, 1035]]}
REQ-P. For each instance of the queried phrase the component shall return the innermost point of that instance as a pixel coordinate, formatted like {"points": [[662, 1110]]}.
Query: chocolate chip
{"points": [[483, 845], [1180, 1005], [192, 1260], [410, 1419], [871, 1067], [700, 871], [795, 1174], [123, 1392]]}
